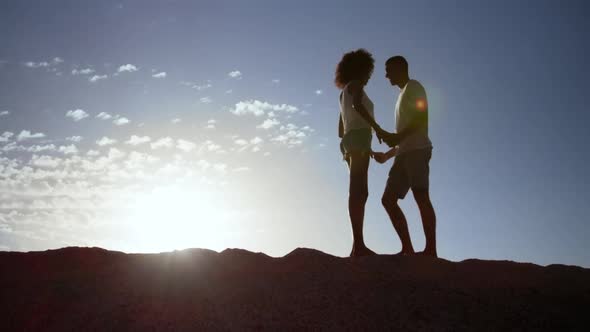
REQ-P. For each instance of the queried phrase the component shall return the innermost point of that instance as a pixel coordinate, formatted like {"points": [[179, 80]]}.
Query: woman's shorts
{"points": [[356, 140]]}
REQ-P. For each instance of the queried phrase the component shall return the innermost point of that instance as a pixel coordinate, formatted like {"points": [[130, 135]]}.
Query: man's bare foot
{"points": [[430, 253], [405, 252], [362, 251]]}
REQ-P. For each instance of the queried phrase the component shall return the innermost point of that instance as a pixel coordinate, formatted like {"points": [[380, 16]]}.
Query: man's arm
{"points": [[419, 111], [340, 127], [420, 120], [391, 153]]}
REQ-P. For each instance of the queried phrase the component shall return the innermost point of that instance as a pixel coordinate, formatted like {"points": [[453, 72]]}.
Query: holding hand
{"points": [[381, 133], [379, 157], [392, 139]]}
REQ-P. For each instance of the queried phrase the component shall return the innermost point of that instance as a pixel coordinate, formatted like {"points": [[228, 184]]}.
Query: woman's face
{"points": [[365, 79]]}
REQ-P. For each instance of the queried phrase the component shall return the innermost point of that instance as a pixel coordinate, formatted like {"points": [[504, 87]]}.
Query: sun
{"points": [[175, 217]]}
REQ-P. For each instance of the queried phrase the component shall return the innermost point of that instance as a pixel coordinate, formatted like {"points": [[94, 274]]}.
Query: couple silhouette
{"points": [[410, 145]]}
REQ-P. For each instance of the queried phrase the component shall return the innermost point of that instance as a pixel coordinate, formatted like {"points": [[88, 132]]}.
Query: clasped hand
{"points": [[391, 139], [379, 157]]}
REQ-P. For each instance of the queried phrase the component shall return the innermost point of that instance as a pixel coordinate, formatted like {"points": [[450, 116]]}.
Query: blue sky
{"points": [[149, 126]]}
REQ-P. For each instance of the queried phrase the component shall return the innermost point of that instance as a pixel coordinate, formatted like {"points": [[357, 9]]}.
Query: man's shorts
{"points": [[356, 140], [410, 170]]}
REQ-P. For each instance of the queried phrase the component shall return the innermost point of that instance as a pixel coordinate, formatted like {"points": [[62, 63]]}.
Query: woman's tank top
{"points": [[351, 118]]}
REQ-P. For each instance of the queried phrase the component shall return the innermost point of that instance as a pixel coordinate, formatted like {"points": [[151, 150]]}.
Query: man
{"points": [[412, 150]]}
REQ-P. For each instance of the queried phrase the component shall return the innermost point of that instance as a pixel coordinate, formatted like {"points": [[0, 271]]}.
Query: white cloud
{"points": [[104, 116], [92, 153], [256, 140], [205, 100], [220, 167], [241, 141], [32, 64], [160, 75], [115, 153], [128, 67], [176, 120], [25, 134], [240, 169], [40, 148], [10, 147], [185, 145], [211, 124], [202, 87], [6, 136], [229, 91], [196, 86], [85, 71], [269, 123], [235, 74], [97, 78], [137, 140], [74, 138], [258, 108], [290, 136], [45, 161], [106, 141], [165, 142], [298, 134], [76, 115], [203, 164], [276, 81], [121, 121], [318, 92], [4, 113], [44, 64], [280, 138], [212, 146], [69, 149], [137, 160]]}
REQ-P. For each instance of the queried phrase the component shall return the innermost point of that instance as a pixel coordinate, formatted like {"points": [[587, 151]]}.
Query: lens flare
{"points": [[421, 105]]}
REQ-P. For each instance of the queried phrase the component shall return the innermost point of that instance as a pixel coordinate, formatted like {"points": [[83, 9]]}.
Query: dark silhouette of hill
{"points": [[92, 289]]}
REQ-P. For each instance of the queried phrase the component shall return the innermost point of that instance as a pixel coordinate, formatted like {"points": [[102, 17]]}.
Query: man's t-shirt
{"points": [[412, 101]]}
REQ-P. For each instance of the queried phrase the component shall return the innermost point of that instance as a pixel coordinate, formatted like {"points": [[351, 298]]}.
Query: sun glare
{"points": [[176, 217]]}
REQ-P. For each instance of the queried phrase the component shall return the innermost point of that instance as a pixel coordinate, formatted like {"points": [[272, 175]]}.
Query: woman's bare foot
{"points": [[430, 253], [405, 252], [362, 251]]}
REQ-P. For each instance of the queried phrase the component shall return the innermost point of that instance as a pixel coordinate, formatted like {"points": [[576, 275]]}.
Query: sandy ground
{"points": [[91, 289]]}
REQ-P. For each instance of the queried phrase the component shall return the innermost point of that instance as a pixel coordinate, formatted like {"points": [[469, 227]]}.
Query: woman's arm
{"points": [[357, 97], [382, 157], [340, 127]]}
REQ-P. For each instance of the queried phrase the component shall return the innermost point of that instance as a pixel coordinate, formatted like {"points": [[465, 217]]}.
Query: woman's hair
{"points": [[353, 66]]}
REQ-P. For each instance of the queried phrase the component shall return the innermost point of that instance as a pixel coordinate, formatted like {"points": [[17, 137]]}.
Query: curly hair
{"points": [[353, 66]]}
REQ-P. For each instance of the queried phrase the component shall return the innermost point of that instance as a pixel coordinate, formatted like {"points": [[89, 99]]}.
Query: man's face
{"points": [[392, 74]]}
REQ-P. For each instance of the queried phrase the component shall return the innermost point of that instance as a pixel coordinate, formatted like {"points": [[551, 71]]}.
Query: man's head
{"points": [[396, 70]]}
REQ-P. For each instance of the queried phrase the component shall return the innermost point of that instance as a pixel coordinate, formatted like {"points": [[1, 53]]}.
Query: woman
{"points": [[356, 120]]}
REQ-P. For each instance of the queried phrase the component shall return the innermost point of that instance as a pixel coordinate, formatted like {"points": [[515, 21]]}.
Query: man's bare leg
{"points": [[398, 220], [428, 221]]}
